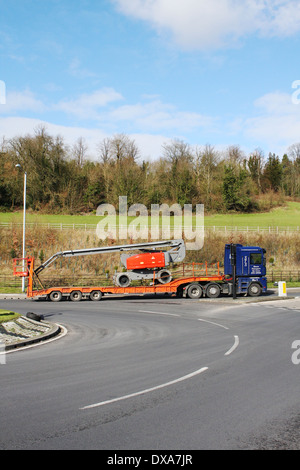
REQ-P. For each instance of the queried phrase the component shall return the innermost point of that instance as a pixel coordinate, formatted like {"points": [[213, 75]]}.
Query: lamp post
{"points": [[24, 224]]}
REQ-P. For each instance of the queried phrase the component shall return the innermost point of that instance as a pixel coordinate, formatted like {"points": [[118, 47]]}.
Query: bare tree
{"points": [[118, 148], [235, 155], [104, 150], [79, 151], [206, 168], [294, 151], [177, 151], [255, 165]]}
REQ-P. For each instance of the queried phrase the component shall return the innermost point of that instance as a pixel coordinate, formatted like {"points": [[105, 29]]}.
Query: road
{"points": [[155, 373]]}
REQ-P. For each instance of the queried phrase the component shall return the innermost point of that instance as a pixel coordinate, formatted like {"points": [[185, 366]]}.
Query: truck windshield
{"points": [[255, 258]]}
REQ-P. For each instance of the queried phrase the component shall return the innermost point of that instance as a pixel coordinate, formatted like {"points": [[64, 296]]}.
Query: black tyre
{"points": [[34, 316], [194, 291], [179, 292], [213, 291], [254, 289], [76, 296], [164, 276], [96, 295], [55, 296], [124, 280]]}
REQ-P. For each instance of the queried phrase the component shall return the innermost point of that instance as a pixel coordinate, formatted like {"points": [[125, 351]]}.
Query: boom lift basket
{"points": [[21, 267]]}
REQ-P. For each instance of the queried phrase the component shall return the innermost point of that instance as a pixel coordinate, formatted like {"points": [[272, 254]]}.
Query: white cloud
{"points": [[202, 24], [155, 115], [17, 126], [76, 70], [277, 121], [150, 115], [21, 101], [273, 124], [87, 105], [151, 122]]}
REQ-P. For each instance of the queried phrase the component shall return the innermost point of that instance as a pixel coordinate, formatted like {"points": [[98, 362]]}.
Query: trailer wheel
{"points": [[55, 296], [213, 291], [254, 289], [96, 295], [76, 296], [194, 291]]}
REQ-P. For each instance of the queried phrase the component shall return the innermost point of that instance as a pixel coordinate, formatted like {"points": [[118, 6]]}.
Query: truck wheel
{"points": [[213, 291], [76, 296], [96, 295], [194, 291], [55, 296], [254, 289]]}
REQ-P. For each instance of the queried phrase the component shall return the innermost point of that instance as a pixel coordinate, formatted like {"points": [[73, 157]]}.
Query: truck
{"points": [[148, 272]]}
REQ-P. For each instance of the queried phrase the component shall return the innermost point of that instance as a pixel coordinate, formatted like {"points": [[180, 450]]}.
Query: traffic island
{"points": [[23, 331]]}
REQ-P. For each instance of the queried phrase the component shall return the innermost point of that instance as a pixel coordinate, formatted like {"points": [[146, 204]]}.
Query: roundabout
{"points": [[151, 373]]}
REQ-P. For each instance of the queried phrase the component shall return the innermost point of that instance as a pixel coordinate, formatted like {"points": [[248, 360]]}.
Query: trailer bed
{"points": [[78, 292]]}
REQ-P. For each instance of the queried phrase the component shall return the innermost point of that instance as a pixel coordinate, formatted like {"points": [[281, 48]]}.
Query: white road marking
{"points": [[148, 390], [236, 343], [213, 323], [160, 313]]}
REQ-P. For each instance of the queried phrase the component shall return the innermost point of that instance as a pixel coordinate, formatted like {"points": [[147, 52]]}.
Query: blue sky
{"points": [[216, 72]]}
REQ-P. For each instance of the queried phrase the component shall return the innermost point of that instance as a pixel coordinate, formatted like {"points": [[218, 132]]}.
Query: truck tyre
{"points": [[76, 296], [179, 292], [96, 295], [254, 289], [194, 291], [213, 291], [55, 296]]}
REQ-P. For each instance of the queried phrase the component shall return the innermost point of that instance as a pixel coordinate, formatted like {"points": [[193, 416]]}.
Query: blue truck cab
{"points": [[248, 265]]}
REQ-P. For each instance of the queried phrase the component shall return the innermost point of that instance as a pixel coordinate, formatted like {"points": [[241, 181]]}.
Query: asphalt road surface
{"points": [[154, 373]]}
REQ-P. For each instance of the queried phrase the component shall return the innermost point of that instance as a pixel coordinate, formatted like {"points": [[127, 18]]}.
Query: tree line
{"points": [[64, 180]]}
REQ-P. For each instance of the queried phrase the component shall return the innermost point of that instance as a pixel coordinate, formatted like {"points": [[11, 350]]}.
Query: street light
{"points": [[24, 224]]}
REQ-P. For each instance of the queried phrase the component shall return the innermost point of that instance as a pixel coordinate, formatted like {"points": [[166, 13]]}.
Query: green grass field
{"points": [[288, 216]]}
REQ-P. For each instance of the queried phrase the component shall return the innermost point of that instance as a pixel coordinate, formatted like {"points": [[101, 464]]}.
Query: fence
{"points": [[7, 281], [289, 276], [212, 228]]}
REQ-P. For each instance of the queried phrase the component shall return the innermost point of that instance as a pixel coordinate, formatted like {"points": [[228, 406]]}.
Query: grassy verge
{"points": [[287, 216], [6, 315], [10, 290], [288, 284]]}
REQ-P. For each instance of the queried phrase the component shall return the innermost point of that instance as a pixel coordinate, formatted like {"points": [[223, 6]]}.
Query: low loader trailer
{"points": [[244, 273]]}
